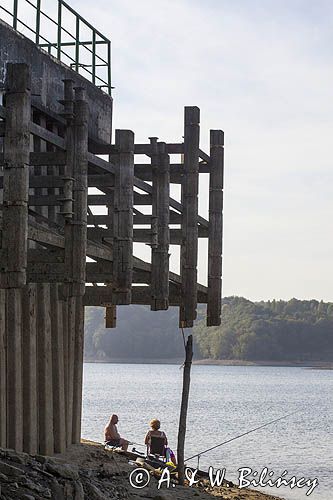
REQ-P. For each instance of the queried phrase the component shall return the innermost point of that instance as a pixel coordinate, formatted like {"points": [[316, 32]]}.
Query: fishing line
{"points": [[241, 435]]}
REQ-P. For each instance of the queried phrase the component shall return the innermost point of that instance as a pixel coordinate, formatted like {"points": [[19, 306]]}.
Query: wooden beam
{"points": [[160, 252], [44, 364], [14, 368], [3, 371], [190, 189], [15, 177], [215, 228], [29, 369], [123, 218], [78, 370], [48, 158], [46, 135]]}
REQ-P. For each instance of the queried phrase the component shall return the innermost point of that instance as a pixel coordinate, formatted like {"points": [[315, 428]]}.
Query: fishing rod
{"points": [[241, 435]]}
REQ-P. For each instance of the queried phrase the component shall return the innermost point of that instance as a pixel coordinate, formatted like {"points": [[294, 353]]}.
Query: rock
{"points": [[64, 471], [57, 490], [94, 493], [10, 470], [20, 458], [27, 497], [41, 459], [78, 491], [3, 478]]}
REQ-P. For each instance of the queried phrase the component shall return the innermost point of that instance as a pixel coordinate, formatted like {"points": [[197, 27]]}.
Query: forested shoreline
{"points": [[294, 330]]}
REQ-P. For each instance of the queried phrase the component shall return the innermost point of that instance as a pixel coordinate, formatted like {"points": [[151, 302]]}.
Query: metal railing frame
{"points": [[96, 60]]}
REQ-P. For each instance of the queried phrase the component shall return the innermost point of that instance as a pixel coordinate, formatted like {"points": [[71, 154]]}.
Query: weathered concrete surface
{"points": [[47, 76]]}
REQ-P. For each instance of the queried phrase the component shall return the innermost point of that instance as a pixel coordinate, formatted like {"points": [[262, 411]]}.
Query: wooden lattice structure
{"points": [[49, 227]]}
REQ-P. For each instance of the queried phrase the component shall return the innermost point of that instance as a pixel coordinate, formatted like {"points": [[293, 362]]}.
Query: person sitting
{"points": [[112, 436], [155, 432]]}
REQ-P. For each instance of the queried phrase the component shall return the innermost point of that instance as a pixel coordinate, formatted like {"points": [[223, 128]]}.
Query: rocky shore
{"points": [[89, 472]]}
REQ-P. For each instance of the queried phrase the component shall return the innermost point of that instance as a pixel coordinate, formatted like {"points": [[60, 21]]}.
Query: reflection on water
{"points": [[224, 401]]}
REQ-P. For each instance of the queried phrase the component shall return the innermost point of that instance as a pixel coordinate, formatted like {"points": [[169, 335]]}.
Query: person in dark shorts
{"points": [[112, 436]]}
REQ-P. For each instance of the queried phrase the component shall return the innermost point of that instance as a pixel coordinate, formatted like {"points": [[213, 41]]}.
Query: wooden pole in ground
{"points": [[59, 414], [184, 407], [79, 235], [3, 370], [44, 366], [14, 238], [29, 372], [215, 228]]}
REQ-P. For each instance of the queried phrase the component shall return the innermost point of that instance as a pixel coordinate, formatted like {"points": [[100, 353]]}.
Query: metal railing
{"points": [[86, 59]]}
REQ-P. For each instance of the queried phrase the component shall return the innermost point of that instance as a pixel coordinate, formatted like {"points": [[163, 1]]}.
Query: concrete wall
{"points": [[47, 76]]}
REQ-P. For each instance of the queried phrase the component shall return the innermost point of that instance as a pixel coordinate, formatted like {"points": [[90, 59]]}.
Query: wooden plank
{"points": [[3, 371], [15, 177], [48, 158], [51, 256], [109, 149], [190, 188], [96, 220], [56, 117], [44, 365], [29, 370], [215, 228], [123, 218], [14, 369], [47, 136], [45, 236], [59, 410]]}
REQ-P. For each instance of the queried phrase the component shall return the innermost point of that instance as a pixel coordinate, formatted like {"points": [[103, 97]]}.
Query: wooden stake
{"points": [[29, 372], [14, 369], [184, 407], [215, 228], [45, 380], [3, 370], [78, 370], [59, 413]]}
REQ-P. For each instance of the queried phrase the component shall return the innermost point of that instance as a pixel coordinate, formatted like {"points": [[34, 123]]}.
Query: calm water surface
{"points": [[224, 401]]}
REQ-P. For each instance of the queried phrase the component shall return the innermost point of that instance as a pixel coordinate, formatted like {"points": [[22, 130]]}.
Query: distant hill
{"points": [[296, 330]]}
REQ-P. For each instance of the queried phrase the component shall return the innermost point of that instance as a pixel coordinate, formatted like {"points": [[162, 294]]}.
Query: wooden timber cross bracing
{"points": [[49, 226]]}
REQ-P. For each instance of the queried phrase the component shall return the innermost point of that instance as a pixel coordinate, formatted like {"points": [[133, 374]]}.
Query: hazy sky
{"points": [[262, 71]]}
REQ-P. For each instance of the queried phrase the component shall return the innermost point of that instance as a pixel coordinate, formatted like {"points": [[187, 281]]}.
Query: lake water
{"points": [[225, 401]]}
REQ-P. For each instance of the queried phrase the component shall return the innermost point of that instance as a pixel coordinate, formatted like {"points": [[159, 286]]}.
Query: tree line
{"points": [[294, 330]]}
